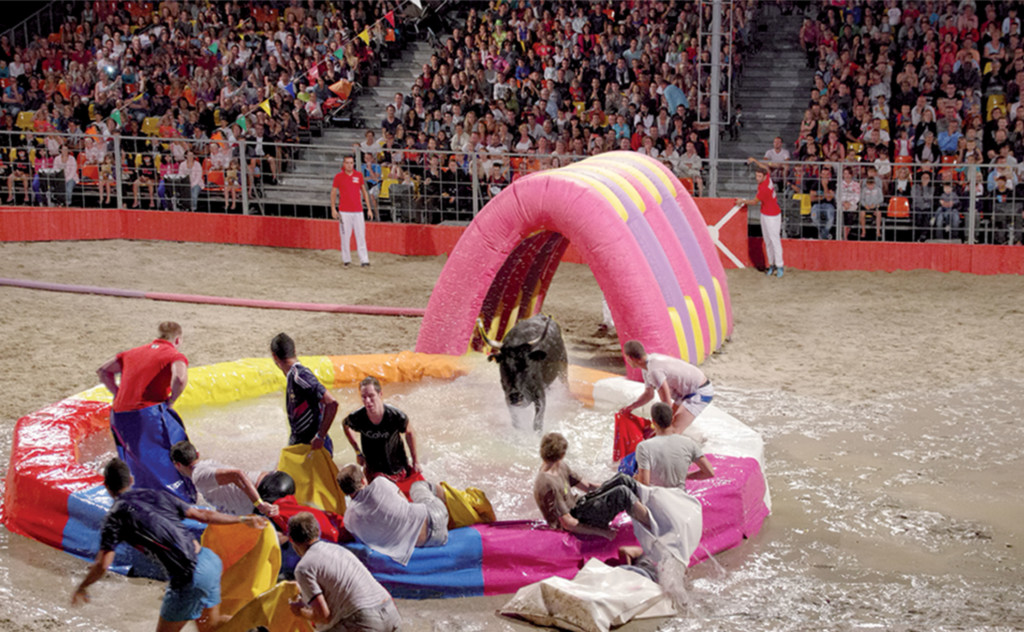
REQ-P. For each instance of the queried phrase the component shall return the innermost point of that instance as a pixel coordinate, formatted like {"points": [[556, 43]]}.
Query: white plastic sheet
{"points": [[599, 598], [677, 522]]}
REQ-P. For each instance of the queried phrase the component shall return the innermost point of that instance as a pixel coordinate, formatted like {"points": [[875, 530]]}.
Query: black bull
{"points": [[530, 357]]}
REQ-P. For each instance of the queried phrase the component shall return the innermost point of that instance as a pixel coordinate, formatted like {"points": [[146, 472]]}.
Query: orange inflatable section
{"points": [[389, 368]]}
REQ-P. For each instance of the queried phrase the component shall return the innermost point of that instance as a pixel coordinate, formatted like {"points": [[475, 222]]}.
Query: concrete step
{"points": [[777, 84]]}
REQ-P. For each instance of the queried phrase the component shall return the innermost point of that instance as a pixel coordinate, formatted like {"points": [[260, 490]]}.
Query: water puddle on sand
{"points": [[902, 513]]}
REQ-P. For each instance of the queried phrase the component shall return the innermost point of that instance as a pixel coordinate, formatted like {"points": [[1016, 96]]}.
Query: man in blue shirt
{"points": [[151, 521], [949, 139]]}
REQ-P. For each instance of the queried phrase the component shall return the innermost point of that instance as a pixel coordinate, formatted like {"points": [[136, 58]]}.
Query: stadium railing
{"points": [[408, 190]]}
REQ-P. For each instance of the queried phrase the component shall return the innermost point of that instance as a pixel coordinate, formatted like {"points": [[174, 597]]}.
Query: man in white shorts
{"points": [[678, 383]]}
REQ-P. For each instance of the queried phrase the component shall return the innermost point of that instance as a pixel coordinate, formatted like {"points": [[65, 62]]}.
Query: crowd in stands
{"points": [[535, 85], [199, 76], [912, 103]]}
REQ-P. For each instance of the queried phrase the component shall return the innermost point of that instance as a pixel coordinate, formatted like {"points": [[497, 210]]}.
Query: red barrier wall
{"points": [[59, 224]]}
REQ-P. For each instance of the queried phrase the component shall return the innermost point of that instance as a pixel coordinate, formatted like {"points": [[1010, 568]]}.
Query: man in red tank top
{"points": [[142, 418]]}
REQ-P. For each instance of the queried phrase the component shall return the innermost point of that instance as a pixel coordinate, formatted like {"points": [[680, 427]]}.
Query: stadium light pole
{"points": [[716, 91]]}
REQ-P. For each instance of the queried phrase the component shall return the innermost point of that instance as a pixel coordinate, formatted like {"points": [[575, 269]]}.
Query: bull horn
{"points": [[537, 340], [494, 344]]}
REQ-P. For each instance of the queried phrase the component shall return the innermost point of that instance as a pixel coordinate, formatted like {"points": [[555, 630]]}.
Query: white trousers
{"points": [[353, 222], [771, 229]]}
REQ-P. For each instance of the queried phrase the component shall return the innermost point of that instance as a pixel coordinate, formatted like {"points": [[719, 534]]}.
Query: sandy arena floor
{"points": [[848, 337]]}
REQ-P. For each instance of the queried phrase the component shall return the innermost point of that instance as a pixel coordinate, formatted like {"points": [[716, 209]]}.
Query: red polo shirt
{"points": [[349, 185], [146, 375]]}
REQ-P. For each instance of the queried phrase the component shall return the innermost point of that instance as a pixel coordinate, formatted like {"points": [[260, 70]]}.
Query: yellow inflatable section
{"points": [[227, 382]]}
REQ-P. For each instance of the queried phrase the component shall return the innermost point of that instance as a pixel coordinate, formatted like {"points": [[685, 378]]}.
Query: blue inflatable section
{"points": [[81, 537], [458, 567]]}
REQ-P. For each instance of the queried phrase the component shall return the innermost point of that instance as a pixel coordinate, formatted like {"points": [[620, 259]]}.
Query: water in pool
{"points": [[903, 513]]}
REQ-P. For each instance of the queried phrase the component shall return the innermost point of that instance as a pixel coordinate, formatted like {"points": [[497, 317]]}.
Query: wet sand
{"points": [[875, 386]]}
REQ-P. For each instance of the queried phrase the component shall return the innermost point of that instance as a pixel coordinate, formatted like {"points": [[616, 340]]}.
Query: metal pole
{"points": [[118, 176], [972, 206], [476, 183], [243, 176], [716, 89]]}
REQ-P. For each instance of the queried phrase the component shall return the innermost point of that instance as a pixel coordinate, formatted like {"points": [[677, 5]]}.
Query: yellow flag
{"points": [[365, 36], [266, 107]]}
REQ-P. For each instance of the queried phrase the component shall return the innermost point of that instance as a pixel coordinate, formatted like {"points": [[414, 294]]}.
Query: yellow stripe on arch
{"points": [[627, 188], [712, 323], [677, 327], [598, 186], [640, 176], [698, 331], [723, 317], [634, 158]]}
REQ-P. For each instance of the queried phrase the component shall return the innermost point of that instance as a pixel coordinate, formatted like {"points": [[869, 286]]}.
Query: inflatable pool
{"points": [[53, 497]]}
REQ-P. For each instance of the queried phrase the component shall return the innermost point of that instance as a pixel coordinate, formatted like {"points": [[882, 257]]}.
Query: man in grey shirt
{"points": [[664, 459], [337, 593]]}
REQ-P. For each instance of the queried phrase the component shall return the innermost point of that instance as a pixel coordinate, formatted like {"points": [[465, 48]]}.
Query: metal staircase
{"points": [[308, 183], [773, 92]]}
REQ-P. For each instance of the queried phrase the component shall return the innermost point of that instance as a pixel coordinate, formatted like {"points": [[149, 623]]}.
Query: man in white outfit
{"points": [[347, 193], [681, 385]]}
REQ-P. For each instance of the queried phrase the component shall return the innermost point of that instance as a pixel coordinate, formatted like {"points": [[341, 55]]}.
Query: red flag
{"points": [[314, 74], [390, 17]]}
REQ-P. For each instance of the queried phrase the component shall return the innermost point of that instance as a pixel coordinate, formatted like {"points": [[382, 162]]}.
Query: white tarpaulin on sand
{"points": [[600, 597]]}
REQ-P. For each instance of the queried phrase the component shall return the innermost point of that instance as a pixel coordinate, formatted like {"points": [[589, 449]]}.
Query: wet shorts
{"points": [[697, 401], [437, 513], [188, 602]]}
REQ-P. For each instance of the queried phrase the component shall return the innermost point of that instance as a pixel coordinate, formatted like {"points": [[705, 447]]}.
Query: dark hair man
{"points": [[151, 520]]}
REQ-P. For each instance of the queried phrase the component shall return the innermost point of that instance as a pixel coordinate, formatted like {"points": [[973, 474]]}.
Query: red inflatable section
{"points": [[44, 469]]}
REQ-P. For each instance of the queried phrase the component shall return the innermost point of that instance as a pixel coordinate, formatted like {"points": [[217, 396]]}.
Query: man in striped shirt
{"points": [[311, 408]]}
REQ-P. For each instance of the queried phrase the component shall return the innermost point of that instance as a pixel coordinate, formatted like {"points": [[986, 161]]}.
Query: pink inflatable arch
{"points": [[635, 226]]}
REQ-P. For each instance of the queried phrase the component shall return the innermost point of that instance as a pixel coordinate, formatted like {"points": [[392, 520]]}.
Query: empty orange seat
{"points": [[90, 174], [899, 208], [215, 180]]}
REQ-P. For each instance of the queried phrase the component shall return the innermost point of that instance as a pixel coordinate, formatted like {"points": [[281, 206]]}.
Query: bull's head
{"points": [[534, 354]]}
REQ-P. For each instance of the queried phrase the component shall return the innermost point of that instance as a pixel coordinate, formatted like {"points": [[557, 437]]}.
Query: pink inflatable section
{"points": [[627, 216]]}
